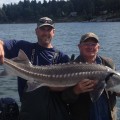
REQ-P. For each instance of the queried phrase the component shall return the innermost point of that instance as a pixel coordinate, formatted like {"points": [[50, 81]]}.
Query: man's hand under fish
{"points": [[85, 85]]}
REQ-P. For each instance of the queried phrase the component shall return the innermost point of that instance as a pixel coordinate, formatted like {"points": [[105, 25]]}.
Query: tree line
{"points": [[31, 11]]}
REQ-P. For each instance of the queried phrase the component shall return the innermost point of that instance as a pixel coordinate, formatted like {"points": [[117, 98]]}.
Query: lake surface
{"points": [[67, 36]]}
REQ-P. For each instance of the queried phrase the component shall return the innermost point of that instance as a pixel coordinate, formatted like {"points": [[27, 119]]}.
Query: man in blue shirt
{"points": [[44, 103]]}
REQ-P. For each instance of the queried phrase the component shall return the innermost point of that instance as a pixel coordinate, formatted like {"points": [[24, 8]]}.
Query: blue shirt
{"points": [[99, 110], [41, 103]]}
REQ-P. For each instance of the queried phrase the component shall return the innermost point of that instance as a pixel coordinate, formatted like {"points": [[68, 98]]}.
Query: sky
{"points": [[13, 1]]}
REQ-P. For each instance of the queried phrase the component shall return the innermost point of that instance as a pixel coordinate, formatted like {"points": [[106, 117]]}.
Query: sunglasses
{"points": [[89, 44], [46, 21]]}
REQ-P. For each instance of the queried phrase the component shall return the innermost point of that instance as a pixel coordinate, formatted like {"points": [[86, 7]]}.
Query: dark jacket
{"points": [[79, 105]]}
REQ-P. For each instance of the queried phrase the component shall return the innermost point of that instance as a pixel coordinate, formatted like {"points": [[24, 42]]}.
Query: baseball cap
{"points": [[89, 35], [45, 21]]}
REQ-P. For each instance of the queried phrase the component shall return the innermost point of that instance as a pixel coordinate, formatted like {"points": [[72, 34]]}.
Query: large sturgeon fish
{"points": [[62, 75]]}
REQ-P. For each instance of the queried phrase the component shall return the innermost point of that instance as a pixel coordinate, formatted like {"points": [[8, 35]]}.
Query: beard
{"points": [[44, 40]]}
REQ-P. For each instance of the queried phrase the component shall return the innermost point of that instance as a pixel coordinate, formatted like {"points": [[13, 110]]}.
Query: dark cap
{"points": [[45, 21], [89, 35]]}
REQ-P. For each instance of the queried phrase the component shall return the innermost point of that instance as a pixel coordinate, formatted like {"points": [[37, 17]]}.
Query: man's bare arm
{"points": [[1, 52]]}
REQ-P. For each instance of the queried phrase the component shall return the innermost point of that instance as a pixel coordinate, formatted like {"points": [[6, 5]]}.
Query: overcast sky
{"points": [[12, 1]]}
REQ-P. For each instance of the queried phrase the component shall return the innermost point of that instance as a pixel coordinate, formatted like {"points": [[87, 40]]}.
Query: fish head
{"points": [[113, 84]]}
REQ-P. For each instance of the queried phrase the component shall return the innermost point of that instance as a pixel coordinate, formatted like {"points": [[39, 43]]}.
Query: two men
{"points": [[45, 103]]}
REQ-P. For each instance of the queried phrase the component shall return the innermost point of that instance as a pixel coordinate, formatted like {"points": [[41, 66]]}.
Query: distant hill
{"points": [[61, 11]]}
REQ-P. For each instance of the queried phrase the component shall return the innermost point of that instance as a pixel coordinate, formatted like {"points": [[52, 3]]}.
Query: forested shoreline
{"points": [[62, 11]]}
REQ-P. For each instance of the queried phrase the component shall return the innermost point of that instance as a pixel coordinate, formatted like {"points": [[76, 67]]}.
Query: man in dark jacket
{"points": [[80, 105]]}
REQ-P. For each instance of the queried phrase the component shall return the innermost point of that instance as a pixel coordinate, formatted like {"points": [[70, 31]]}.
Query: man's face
{"points": [[89, 48], [44, 35]]}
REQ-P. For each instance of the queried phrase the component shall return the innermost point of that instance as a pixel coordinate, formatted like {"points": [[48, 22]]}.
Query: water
{"points": [[67, 36]]}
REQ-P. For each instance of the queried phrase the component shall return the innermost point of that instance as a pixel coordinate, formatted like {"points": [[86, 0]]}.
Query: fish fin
{"points": [[98, 90], [22, 58], [3, 73], [6, 73], [33, 85]]}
